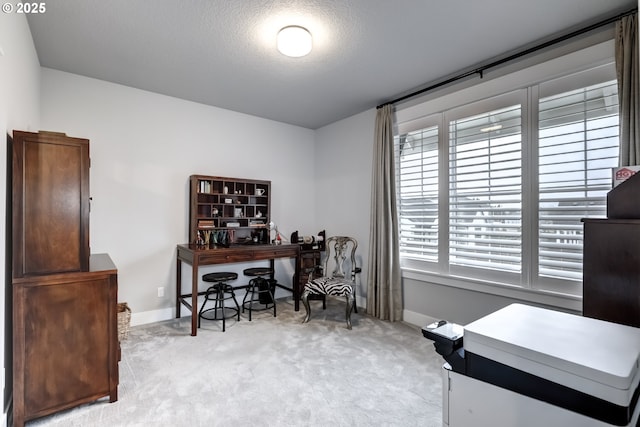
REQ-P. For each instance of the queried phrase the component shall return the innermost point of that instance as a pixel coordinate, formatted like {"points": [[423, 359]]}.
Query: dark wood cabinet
{"points": [[228, 210], [611, 263], [611, 289], [64, 300], [65, 340], [50, 203], [311, 248]]}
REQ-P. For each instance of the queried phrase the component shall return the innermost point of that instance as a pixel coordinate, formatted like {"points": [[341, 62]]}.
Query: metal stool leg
{"points": [[273, 298], [233, 295], [221, 300], [246, 294], [206, 298]]}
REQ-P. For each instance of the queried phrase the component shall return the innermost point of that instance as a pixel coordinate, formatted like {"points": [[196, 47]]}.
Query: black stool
{"points": [[219, 292], [260, 290]]}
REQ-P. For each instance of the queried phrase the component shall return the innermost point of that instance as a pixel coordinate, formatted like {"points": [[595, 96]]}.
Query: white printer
{"points": [[525, 366]]}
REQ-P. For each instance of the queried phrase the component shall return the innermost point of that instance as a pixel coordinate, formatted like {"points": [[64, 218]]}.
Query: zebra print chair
{"points": [[336, 276]]}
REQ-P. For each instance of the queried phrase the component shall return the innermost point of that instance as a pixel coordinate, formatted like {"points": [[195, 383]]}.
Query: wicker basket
{"points": [[124, 321]]}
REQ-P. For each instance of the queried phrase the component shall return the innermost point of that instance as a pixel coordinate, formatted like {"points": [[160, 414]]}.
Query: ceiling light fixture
{"points": [[294, 41]]}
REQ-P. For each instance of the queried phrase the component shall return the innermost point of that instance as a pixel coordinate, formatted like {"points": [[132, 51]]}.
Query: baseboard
{"points": [[159, 315], [417, 319], [168, 313], [152, 316]]}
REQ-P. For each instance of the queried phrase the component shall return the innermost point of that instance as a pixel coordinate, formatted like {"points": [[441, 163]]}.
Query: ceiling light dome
{"points": [[294, 41]]}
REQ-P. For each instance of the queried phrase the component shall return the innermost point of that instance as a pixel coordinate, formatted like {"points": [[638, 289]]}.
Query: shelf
{"points": [[217, 202]]}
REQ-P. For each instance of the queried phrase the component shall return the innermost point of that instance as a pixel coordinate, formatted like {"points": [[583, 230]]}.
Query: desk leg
{"points": [[178, 286], [272, 266], [194, 298], [296, 283]]}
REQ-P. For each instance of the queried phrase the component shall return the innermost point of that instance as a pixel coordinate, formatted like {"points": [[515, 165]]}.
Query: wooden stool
{"points": [[259, 290], [219, 292]]}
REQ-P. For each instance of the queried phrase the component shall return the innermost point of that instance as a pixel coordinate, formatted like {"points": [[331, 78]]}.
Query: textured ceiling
{"points": [[222, 52]]}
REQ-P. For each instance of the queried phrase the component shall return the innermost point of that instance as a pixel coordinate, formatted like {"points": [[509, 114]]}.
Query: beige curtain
{"points": [[384, 287], [628, 89]]}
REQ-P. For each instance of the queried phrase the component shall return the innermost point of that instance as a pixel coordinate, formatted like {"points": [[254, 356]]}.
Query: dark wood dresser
{"points": [[611, 263], [65, 340], [64, 321]]}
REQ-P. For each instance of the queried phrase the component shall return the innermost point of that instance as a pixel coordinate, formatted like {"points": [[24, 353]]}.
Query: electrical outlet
{"points": [[160, 291]]}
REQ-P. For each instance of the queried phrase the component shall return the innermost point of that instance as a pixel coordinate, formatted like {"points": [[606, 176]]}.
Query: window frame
{"points": [[482, 106], [440, 110]]}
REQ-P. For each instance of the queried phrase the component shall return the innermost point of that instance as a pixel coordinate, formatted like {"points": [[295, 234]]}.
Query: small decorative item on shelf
{"points": [[263, 235], [309, 242], [279, 238], [205, 187]]}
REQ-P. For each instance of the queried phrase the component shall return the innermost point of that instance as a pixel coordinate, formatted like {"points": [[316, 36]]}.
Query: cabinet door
{"points": [[64, 344], [50, 204], [611, 289]]}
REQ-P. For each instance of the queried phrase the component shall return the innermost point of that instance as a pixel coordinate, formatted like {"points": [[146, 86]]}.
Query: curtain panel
{"points": [[626, 53], [384, 287]]}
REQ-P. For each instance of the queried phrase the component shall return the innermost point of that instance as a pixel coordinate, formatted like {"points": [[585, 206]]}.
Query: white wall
{"points": [[143, 148], [19, 99], [344, 155]]}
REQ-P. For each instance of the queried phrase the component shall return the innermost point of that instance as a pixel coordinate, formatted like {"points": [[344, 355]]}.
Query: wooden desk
{"points": [[196, 256]]}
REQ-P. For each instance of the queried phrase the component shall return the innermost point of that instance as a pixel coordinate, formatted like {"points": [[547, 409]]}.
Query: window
{"points": [[485, 191], [577, 147], [419, 193], [496, 189]]}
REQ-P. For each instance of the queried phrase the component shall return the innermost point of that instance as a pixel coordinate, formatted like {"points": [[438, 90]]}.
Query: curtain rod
{"points": [[480, 70]]}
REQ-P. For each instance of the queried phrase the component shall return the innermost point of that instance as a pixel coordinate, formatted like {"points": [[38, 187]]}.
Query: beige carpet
{"points": [[272, 372]]}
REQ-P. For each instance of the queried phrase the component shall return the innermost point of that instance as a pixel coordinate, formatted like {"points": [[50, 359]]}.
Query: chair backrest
{"points": [[340, 257]]}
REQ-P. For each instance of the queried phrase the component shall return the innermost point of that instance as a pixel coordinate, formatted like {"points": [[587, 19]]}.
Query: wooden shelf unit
{"points": [[240, 207]]}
